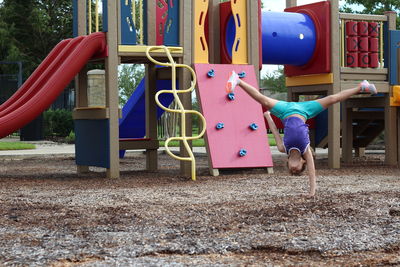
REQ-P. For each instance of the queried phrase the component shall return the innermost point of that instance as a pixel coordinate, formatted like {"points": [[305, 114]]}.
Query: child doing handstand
{"points": [[296, 140]]}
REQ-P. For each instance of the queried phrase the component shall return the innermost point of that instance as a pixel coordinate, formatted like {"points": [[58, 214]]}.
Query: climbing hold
{"points": [[242, 152], [253, 126], [219, 126], [242, 74], [211, 73], [231, 96]]}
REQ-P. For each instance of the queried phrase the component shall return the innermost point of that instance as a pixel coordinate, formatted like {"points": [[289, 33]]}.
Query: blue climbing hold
{"points": [[231, 96], [242, 74], [211, 73], [254, 126], [219, 126], [242, 152]]}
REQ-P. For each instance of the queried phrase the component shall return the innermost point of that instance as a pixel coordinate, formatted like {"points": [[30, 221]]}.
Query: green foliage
{"points": [[376, 7], [129, 78], [58, 122], [274, 82], [16, 146], [29, 29], [195, 143], [70, 139], [373, 6]]}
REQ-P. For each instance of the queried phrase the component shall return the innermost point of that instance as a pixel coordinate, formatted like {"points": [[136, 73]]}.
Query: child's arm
{"points": [[275, 132], [311, 171]]}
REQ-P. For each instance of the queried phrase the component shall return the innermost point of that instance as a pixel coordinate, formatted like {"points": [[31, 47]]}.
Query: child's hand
{"points": [[309, 195]]}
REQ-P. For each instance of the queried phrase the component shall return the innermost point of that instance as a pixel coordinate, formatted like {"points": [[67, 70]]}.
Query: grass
{"points": [[15, 146], [200, 142]]}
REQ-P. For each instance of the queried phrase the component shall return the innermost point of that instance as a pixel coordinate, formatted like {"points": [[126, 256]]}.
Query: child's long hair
{"points": [[304, 164]]}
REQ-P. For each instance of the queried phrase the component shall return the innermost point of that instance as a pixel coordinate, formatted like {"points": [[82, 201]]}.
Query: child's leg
{"points": [[345, 94], [266, 101]]}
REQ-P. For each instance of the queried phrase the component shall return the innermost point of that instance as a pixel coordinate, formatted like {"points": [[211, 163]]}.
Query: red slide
{"points": [[48, 81]]}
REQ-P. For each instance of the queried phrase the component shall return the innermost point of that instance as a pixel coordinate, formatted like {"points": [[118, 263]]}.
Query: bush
{"points": [[70, 139], [58, 123]]}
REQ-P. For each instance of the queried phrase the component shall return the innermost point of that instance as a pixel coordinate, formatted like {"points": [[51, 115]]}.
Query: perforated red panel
{"points": [[321, 60]]}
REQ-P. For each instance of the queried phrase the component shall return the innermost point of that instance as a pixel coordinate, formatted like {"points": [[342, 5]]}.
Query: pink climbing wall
{"points": [[237, 115]]}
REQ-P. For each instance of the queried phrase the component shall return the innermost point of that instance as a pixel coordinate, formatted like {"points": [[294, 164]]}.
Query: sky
{"points": [[279, 5]]}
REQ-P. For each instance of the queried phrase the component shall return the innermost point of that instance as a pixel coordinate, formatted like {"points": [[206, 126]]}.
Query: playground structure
{"points": [[102, 150], [316, 53], [312, 41]]}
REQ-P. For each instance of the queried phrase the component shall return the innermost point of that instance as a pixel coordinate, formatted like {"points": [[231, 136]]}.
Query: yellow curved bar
{"points": [[381, 45], [133, 12], [141, 20], [239, 50], [200, 43], [173, 65]]}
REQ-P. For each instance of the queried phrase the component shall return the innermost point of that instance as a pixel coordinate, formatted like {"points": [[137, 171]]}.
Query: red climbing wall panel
{"points": [[237, 115]]}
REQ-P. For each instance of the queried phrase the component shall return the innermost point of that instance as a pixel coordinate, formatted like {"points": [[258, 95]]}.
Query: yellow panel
{"points": [[239, 51], [395, 100], [325, 78], [200, 43], [143, 48]]}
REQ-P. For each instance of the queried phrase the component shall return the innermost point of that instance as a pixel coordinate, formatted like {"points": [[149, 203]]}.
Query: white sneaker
{"points": [[366, 87]]}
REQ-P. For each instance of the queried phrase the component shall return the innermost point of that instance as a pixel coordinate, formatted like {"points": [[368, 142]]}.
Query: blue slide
{"points": [[133, 121]]}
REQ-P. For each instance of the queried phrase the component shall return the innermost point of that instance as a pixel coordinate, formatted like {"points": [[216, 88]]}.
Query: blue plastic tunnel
{"points": [[287, 38]]}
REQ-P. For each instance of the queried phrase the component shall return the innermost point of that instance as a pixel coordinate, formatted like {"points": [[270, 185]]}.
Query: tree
{"points": [[274, 82], [373, 6], [29, 29], [129, 78]]}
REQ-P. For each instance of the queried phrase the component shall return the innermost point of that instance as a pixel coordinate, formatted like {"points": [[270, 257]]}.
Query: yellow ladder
{"points": [[173, 65]]}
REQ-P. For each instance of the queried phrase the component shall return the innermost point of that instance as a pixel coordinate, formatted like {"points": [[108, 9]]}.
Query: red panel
{"points": [[352, 43], [363, 44], [362, 28], [373, 44], [351, 28], [237, 116], [161, 19], [373, 60], [373, 29], [321, 60], [363, 60], [352, 59]]}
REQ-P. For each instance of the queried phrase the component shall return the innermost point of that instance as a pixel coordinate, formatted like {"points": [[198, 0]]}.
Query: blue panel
{"points": [[321, 126], [386, 46], [128, 29], [75, 18], [394, 37], [171, 35], [133, 121], [287, 38], [230, 35], [92, 143], [105, 16], [145, 37]]}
